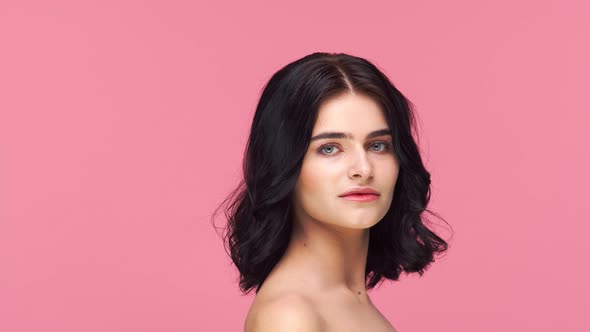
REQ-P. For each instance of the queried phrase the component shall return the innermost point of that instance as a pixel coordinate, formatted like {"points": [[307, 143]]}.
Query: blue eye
{"points": [[386, 146], [322, 149]]}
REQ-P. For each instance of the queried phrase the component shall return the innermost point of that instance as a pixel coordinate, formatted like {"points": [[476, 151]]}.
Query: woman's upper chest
{"points": [[344, 318]]}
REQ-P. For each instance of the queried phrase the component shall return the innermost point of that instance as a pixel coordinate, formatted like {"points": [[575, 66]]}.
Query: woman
{"points": [[332, 197]]}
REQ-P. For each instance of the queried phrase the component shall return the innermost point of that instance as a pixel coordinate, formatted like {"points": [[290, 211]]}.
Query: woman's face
{"points": [[335, 164]]}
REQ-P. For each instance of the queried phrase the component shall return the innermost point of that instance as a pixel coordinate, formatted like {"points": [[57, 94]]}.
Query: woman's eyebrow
{"points": [[376, 133]]}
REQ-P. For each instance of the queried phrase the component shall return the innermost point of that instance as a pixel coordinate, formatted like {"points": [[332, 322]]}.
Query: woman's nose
{"points": [[361, 165]]}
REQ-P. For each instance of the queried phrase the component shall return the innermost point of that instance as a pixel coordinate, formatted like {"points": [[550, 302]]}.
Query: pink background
{"points": [[122, 125]]}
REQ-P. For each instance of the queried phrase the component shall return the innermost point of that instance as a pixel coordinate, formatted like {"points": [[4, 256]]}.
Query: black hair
{"points": [[258, 210]]}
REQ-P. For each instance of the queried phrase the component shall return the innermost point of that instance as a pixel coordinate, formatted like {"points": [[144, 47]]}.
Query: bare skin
{"points": [[319, 283]]}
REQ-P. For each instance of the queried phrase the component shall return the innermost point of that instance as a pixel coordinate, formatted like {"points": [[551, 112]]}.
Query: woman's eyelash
{"points": [[386, 147]]}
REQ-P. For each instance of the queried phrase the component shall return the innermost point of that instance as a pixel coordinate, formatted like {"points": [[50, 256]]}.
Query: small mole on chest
{"points": [[359, 292]]}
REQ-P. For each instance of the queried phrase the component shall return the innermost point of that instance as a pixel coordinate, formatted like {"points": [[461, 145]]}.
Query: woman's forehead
{"points": [[353, 114]]}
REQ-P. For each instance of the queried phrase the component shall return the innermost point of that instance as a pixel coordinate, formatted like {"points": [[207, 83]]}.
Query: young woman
{"points": [[332, 198]]}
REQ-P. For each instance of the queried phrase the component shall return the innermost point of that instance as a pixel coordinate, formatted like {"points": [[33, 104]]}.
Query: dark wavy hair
{"points": [[258, 210]]}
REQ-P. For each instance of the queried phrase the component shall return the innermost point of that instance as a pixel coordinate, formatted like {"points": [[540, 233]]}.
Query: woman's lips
{"points": [[361, 197]]}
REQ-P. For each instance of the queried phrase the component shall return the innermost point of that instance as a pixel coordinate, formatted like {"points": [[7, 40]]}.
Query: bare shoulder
{"points": [[284, 313]]}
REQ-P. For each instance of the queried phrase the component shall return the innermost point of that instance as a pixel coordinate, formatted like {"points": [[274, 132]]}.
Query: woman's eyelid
{"points": [[381, 140]]}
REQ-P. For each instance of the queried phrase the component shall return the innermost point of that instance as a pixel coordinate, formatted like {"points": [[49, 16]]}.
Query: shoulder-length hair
{"points": [[258, 210]]}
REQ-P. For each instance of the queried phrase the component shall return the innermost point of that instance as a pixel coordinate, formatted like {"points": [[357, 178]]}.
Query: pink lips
{"points": [[361, 197], [361, 194]]}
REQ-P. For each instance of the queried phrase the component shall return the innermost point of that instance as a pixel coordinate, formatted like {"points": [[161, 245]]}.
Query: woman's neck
{"points": [[328, 256]]}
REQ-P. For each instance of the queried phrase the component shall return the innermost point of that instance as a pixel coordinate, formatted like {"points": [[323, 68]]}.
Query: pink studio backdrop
{"points": [[122, 126]]}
